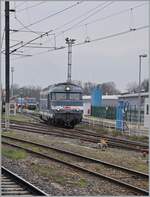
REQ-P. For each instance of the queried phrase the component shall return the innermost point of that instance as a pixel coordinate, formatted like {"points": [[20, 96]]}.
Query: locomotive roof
{"points": [[60, 87]]}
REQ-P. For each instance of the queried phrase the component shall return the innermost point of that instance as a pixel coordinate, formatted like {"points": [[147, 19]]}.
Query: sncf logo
{"points": [[67, 107]]}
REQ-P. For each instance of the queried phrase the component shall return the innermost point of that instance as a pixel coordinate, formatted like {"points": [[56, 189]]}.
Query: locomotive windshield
{"points": [[60, 96], [75, 96], [66, 96]]}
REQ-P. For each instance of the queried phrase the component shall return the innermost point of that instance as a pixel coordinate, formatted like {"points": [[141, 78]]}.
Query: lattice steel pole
{"points": [[69, 42]]}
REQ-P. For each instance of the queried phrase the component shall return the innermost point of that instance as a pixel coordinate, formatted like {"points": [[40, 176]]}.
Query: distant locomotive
{"points": [[61, 104], [31, 103], [20, 102]]}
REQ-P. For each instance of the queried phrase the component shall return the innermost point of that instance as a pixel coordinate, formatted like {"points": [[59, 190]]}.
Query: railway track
{"points": [[81, 134], [14, 185], [125, 177], [36, 117]]}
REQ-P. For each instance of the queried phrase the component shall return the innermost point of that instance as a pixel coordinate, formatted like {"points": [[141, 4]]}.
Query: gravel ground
{"points": [[58, 180], [126, 158], [114, 173]]}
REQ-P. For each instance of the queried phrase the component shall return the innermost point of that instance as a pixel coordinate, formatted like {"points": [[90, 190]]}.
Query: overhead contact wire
{"points": [[45, 18], [96, 39]]}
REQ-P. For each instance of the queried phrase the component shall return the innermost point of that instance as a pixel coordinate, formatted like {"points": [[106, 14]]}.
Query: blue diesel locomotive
{"points": [[61, 104]]}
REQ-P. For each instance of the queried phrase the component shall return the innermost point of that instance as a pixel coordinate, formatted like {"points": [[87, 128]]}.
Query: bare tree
{"points": [[27, 91], [145, 85], [132, 87], [109, 88], [88, 87]]}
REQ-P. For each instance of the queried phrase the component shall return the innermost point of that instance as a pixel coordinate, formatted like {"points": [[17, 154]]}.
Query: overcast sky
{"points": [[111, 59]]}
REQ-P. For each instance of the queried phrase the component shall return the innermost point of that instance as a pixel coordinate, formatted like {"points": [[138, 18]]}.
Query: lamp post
{"points": [[139, 90]]}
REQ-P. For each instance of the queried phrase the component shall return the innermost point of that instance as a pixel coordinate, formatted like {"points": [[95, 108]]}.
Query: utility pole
{"points": [[69, 42], [12, 90], [0, 83], [7, 63]]}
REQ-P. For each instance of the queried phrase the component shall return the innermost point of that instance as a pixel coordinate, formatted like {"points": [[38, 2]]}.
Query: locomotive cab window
{"points": [[53, 96], [58, 96], [75, 96]]}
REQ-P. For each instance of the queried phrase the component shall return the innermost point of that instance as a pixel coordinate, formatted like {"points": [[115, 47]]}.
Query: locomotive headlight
{"points": [[67, 88], [58, 109]]}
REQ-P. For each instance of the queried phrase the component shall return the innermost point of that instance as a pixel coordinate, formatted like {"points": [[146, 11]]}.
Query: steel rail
{"points": [[94, 134], [13, 184], [121, 183], [134, 172], [83, 136]]}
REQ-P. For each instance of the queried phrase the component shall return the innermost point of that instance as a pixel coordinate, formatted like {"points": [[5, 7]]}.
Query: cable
{"points": [[95, 40], [49, 16], [62, 32], [40, 37], [88, 16], [78, 17], [18, 43], [46, 33], [114, 35], [40, 47], [25, 26], [30, 7], [28, 31], [111, 15], [101, 19]]}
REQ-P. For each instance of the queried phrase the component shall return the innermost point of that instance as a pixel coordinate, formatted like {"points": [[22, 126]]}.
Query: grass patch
{"points": [[32, 147], [13, 154], [18, 117], [117, 133], [81, 183], [57, 175], [9, 133], [139, 138], [50, 172]]}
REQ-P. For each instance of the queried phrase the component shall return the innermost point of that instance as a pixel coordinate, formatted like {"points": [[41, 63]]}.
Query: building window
{"points": [[147, 109]]}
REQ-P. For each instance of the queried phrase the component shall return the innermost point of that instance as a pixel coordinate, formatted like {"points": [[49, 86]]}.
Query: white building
{"points": [[133, 98], [86, 105]]}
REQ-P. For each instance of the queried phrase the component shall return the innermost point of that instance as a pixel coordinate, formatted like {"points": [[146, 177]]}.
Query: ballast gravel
{"points": [[59, 180]]}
